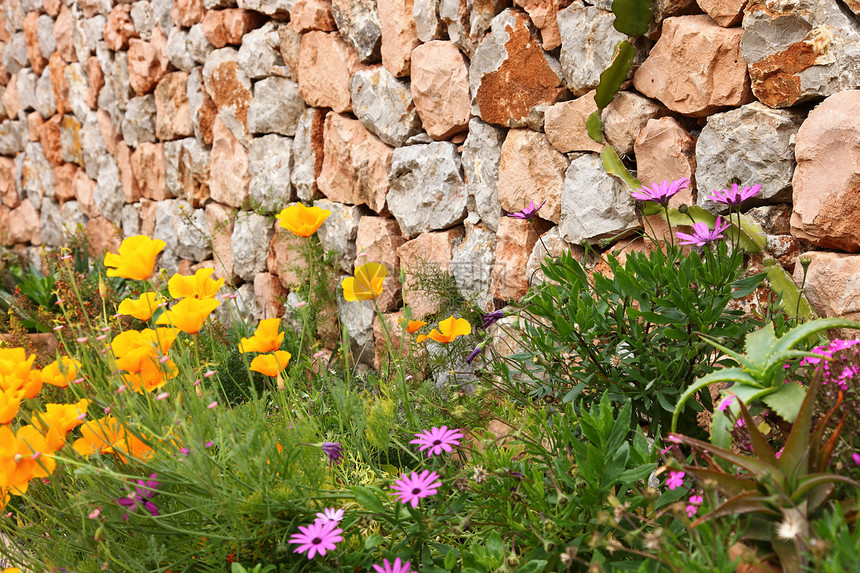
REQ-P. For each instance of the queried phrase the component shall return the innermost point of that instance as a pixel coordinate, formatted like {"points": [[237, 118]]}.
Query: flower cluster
{"points": [[320, 536], [267, 341]]}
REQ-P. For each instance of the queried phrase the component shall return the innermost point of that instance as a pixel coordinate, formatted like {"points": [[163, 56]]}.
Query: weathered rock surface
{"points": [[199, 46], [250, 240], [201, 107], [219, 223], [339, 231], [727, 13], [467, 22], [269, 161], [230, 89], [827, 178], [108, 195], [276, 107], [172, 111], [308, 152], [187, 170], [482, 152], [831, 284], [427, 191], [531, 170], [186, 13], [46, 103], [625, 117], [565, 121], [325, 65], [79, 90], [223, 27], [440, 88], [147, 62], [177, 50], [399, 35], [149, 167], [800, 50], [472, 263], [309, 15], [753, 144], [551, 244], [229, 176], [588, 40], [515, 241], [696, 67], [378, 240], [138, 124], [384, 105], [269, 294], [181, 227], [11, 141], [428, 26], [37, 175], [544, 15], [259, 54], [357, 319], [278, 8], [358, 23], [594, 206], [512, 80], [665, 151], [355, 164], [428, 252]]}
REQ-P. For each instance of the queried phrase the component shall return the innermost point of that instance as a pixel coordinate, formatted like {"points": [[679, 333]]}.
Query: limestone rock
{"points": [[177, 50], [173, 117], [130, 218], [229, 179], [72, 217], [399, 35], [259, 54], [427, 252], [147, 62], [186, 13], [230, 89], [588, 40], [199, 46], [593, 204], [358, 23], [515, 240], [51, 224], [8, 183], [512, 80], [357, 319], [753, 144], [269, 162], [119, 28], [108, 194], [26, 86], [223, 27], [695, 47], [339, 231], [92, 144], [201, 107], [625, 117], [355, 164], [727, 13], [428, 25], [219, 223], [482, 152], [831, 284], [565, 122], [15, 54], [276, 107], [31, 40], [143, 18], [37, 175], [269, 293], [70, 140], [250, 240], [149, 166], [544, 15], [277, 8], [384, 105], [378, 240], [325, 65], [63, 35], [79, 89], [427, 191], [187, 170], [472, 263], [467, 22], [665, 151], [24, 225], [531, 170], [86, 35], [46, 103], [11, 141], [827, 178], [440, 88], [45, 36], [286, 257], [553, 241], [308, 152], [800, 50], [138, 125], [291, 45], [309, 15]]}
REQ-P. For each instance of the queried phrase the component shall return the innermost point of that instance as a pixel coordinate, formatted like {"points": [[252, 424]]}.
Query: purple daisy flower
{"points": [[702, 234], [415, 487], [474, 353], [330, 514], [396, 567], [491, 318], [735, 196], [436, 439], [528, 213], [661, 192], [318, 537], [334, 451]]}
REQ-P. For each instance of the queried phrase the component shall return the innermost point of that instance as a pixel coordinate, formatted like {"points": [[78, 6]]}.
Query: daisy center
{"points": [[316, 540], [437, 442], [416, 491]]}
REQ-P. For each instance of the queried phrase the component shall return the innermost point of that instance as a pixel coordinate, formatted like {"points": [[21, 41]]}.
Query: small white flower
{"points": [[791, 526]]}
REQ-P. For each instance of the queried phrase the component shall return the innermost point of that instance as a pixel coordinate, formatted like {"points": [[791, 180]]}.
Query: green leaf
{"points": [[594, 127], [532, 566], [367, 499], [450, 559], [372, 541], [786, 401], [495, 550], [724, 375], [747, 285], [798, 333], [613, 76], [632, 16], [759, 346], [792, 300], [613, 166]]}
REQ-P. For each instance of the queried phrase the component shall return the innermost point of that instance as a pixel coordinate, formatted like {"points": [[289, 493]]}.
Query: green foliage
{"points": [[632, 16], [612, 77], [614, 166], [836, 547]]}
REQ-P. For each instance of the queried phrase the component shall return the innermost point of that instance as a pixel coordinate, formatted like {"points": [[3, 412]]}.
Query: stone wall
{"points": [[420, 124]]}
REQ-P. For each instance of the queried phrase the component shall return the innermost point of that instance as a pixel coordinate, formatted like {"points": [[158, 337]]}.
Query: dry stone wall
{"points": [[420, 124]]}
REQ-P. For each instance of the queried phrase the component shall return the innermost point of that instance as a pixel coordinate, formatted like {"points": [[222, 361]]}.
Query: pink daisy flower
{"points": [[726, 402], [435, 440], [735, 196], [661, 192], [318, 537], [676, 479], [411, 489], [702, 234], [396, 567], [330, 514], [528, 213]]}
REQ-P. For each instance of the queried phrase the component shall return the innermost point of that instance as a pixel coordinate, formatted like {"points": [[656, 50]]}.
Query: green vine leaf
{"points": [[632, 16], [613, 76]]}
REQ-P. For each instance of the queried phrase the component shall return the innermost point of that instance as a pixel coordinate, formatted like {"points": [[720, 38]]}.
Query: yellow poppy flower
{"points": [[271, 364], [10, 401], [15, 368], [366, 284], [265, 339], [412, 325], [62, 419], [189, 314], [60, 372], [136, 258], [302, 221], [106, 435], [141, 308], [199, 285], [448, 330]]}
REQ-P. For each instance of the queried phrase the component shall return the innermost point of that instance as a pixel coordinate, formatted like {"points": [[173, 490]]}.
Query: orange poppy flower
{"points": [[136, 258], [107, 436], [302, 221], [189, 314], [448, 330], [10, 401], [271, 364], [58, 420], [60, 372], [412, 325], [141, 308], [366, 284], [199, 285], [15, 368], [265, 339]]}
